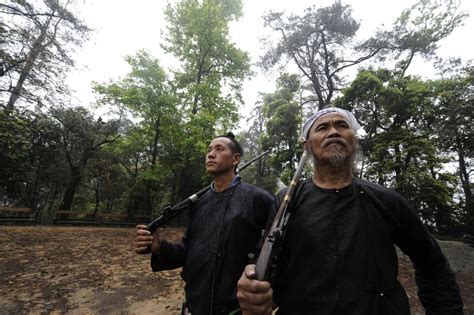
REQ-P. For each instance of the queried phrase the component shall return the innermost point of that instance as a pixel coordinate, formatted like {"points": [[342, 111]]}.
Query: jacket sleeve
{"points": [[438, 290], [171, 255]]}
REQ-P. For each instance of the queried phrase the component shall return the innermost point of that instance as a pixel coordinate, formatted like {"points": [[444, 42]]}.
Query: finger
{"points": [[144, 238], [253, 286], [143, 242], [143, 232], [255, 298], [250, 271], [251, 309], [141, 250]]}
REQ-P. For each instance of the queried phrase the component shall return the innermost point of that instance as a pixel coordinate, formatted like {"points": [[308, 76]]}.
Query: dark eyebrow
{"points": [[320, 124], [337, 121], [215, 146]]}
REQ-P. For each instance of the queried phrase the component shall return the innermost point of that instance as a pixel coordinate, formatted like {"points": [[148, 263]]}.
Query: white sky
{"points": [[124, 26]]}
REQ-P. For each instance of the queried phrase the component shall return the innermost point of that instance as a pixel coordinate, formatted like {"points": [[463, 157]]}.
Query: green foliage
{"points": [[81, 137], [261, 172], [66, 158], [146, 93], [452, 121], [399, 146], [198, 36], [14, 150], [418, 30], [319, 43], [209, 81], [282, 115]]}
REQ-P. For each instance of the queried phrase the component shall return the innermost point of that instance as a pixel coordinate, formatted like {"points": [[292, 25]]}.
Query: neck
{"points": [[221, 182], [328, 177]]}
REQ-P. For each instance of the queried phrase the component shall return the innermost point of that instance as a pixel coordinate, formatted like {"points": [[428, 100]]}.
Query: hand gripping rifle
{"points": [[274, 239], [170, 212]]}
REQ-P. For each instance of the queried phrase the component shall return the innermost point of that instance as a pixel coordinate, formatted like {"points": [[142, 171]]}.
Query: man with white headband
{"points": [[338, 255]]}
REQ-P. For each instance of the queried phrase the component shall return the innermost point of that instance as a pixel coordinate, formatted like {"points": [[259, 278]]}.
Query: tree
{"points": [[81, 137], [209, 80], [261, 172], [146, 93], [32, 161], [14, 155], [37, 45], [317, 42], [452, 119], [399, 144], [418, 30], [108, 181], [283, 122], [322, 42]]}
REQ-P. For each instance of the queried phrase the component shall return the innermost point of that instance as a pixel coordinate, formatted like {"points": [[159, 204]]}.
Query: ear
{"points": [[236, 158], [306, 145]]}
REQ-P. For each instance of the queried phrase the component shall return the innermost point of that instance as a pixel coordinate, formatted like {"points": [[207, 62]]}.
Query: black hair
{"points": [[235, 147]]}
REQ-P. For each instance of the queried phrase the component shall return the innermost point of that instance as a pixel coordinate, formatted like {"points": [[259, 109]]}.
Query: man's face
{"points": [[331, 139], [219, 158]]}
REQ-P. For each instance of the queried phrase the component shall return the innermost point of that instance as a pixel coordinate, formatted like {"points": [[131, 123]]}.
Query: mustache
{"points": [[334, 140]]}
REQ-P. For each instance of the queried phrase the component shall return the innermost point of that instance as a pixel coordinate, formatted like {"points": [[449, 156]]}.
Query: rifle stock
{"points": [[275, 235]]}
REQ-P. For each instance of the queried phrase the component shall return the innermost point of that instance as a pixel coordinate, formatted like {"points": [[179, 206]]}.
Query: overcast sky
{"points": [[121, 27]]}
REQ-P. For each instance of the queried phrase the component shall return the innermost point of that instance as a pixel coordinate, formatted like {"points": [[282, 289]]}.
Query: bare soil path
{"points": [[90, 270]]}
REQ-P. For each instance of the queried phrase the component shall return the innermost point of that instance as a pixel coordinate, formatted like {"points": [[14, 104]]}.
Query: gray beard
{"points": [[338, 159]]}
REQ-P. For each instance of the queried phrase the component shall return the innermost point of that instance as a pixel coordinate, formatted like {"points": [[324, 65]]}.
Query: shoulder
{"points": [[381, 192], [303, 187], [254, 190], [394, 207], [303, 184]]}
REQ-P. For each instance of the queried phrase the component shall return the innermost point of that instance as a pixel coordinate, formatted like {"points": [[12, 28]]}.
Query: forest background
{"points": [[141, 146]]}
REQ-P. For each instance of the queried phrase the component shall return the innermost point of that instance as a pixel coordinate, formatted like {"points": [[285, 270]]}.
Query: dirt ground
{"points": [[89, 270]]}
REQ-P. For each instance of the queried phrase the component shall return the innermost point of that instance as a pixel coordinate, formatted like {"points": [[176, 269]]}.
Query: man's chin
{"points": [[212, 171]]}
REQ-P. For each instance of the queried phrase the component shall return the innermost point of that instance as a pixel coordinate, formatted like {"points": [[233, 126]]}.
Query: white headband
{"points": [[350, 118]]}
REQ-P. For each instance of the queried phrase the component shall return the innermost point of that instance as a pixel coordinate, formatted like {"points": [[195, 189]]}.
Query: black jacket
{"points": [[223, 229], [338, 256]]}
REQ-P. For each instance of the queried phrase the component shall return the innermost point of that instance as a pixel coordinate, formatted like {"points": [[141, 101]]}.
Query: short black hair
{"points": [[235, 147]]}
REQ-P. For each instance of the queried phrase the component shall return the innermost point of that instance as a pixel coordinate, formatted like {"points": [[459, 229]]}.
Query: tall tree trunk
{"points": [[466, 186], [71, 190], [97, 197], [30, 60], [76, 177], [464, 176]]}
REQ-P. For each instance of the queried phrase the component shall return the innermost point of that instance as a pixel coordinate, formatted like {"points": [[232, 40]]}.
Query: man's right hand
{"points": [[146, 242], [255, 297]]}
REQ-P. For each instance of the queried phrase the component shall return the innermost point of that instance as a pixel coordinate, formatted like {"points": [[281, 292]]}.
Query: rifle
{"points": [[274, 239], [170, 212]]}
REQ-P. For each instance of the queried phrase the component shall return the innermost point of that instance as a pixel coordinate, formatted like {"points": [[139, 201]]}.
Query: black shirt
{"points": [[223, 229], [339, 257]]}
